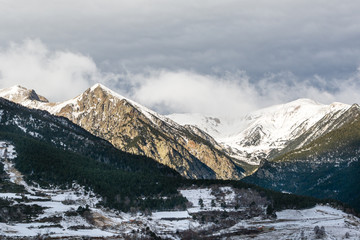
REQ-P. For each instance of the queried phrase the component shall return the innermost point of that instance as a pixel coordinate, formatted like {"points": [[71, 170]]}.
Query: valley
{"points": [[76, 213], [103, 166], [179, 120]]}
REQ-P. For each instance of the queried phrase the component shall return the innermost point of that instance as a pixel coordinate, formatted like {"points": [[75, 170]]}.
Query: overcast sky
{"points": [[175, 56]]}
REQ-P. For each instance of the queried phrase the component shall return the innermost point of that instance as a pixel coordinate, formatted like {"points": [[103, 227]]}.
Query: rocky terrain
{"points": [[136, 129]]}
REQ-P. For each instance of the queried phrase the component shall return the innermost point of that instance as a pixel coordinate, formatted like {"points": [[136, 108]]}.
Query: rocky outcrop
{"points": [[135, 129]]}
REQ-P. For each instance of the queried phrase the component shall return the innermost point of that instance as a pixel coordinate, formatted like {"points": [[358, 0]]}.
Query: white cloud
{"points": [[284, 87], [185, 91], [61, 75], [58, 75], [233, 94]]}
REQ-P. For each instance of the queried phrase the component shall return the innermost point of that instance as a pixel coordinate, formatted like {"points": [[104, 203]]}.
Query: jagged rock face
{"points": [[254, 137], [125, 125]]}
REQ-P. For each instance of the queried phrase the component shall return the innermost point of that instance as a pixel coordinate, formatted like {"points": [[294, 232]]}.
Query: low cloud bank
{"points": [[61, 75]]}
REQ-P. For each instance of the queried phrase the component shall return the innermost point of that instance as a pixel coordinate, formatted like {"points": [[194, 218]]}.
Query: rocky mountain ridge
{"points": [[195, 145], [136, 129]]}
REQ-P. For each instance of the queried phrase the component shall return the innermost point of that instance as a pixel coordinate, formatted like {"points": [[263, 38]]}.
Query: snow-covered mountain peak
{"points": [[304, 101], [114, 96], [96, 85], [108, 91], [264, 130], [271, 128], [19, 93], [298, 110]]}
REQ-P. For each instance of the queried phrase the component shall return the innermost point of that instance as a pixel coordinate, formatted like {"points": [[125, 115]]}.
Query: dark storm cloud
{"points": [[269, 51], [304, 37], [60, 75]]}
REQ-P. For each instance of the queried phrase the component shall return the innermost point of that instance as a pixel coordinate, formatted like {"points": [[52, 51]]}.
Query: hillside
{"points": [[136, 129], [53, 150], [328, 166], [75, 185]]}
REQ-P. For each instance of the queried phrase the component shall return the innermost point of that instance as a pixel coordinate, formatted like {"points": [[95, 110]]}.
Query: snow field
{"points": [[290, 224]]}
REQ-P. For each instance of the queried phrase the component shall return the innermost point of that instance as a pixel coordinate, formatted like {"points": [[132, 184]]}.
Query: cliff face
{"points": [[135, 129]]}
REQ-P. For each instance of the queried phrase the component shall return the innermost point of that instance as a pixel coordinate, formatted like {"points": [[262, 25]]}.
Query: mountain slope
{"points": [[259, 134], [53, 150], [328, 123], [136, 129], [21, 94], [328, 166], [79, 173]]}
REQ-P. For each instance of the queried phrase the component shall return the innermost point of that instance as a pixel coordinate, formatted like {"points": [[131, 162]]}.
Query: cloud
{"points": [[186, 91], [233, 94], [285, 86], [301, 36], [59, 75]]}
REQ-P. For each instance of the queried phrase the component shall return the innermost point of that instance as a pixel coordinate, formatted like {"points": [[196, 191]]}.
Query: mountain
{"points": [[52, 150], [21, 94], [138, 130], [331, 121], [328, 166], [57, 180], [263, 133]]}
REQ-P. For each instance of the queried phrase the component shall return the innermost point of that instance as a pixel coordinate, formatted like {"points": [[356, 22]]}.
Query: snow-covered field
{"points": [[298, 224], [59, 218]]}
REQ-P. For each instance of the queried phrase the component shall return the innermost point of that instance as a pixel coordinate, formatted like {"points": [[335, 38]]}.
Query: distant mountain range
{"points": [[259, 135], [135, 129], [264, 144], [328, 166], [263, 133], [111, 152], [55, 175]]}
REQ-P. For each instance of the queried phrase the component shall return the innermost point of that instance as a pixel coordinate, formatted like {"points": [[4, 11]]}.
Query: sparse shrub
{"points": [[190, 235], [319, 232], [68, 201], [71, 213], [201, 203]]}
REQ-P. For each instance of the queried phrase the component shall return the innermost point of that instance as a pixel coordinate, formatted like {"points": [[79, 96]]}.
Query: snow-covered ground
{"points": [[210, 202], [291, 223], [59, 218]]}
